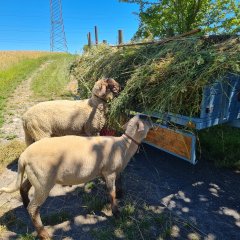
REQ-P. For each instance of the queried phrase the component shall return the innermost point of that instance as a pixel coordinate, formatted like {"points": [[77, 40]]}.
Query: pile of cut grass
{"points": [[160, 78]]}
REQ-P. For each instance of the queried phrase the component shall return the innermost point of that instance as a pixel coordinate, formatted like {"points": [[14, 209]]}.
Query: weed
{"points": [[56, 218], [3, 229], [26, 236], [160, 218], [220, 144], [133, 223], [139, 221], [89, 187], [103, 234], [127, 210], [93, 203], [10, 136], [193, 236], [166, 233]]}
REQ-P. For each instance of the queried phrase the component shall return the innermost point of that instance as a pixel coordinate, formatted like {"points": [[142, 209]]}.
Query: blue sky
{"points": [[25, 24]]}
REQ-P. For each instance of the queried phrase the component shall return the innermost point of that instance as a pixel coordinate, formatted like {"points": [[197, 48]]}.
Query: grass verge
{"points": [[51, 82], [9, 152], [12, 77], [220, 144]]}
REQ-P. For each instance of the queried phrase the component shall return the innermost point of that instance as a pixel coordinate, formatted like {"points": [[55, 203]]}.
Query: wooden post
{"points": [[120, 37], [163, 41], [89, 39], [96, 35]]}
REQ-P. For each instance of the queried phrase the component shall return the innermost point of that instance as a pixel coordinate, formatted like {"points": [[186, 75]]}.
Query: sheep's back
{"points": [[69, 158], [61, 117]]}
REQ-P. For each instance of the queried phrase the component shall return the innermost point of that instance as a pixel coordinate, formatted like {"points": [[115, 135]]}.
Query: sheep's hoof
{"points": [[43, 234]]}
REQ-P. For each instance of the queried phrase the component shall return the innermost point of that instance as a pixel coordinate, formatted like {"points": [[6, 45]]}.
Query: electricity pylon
{"points": [[58, 38]]}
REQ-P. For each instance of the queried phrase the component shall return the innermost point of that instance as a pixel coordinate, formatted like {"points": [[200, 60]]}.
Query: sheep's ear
{"points": [[124, 127], [140, 126], [113, 85]]}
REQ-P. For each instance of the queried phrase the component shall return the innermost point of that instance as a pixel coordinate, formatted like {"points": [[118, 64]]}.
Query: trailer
{"points": [[220, 105]]}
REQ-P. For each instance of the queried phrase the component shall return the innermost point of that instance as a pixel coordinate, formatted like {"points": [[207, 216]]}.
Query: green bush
{"points": [[220, 144]]}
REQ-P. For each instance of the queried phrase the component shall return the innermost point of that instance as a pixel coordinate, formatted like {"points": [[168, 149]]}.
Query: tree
{"points": [[164, 18]]}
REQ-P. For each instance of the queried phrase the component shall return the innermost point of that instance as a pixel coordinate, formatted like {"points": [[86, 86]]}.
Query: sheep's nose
{"points": [[115, 91]]}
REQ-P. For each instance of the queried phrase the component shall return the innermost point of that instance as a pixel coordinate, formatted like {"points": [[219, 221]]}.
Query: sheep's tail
{"points": [[16, 186]]}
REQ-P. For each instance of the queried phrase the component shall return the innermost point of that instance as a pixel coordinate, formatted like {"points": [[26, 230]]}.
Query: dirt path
{"points": [[17, 104]]}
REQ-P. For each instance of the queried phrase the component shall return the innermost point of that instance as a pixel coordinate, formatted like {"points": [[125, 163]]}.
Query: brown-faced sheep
{"points": [[73, 160], [64, 117]]}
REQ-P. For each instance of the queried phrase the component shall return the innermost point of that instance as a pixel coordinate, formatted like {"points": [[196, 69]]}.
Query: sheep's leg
{"points": [[34, 134], [40, 134], [119, 188], [33, 210], [110, 182], [24, 189], [28, 139]]}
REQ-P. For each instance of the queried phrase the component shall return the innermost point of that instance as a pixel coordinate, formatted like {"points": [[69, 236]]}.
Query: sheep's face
{"points": [[137, 128], [107, 89]]}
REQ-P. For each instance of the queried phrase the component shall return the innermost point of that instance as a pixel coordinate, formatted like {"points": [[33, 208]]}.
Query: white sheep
{"points": [[72, 160], [65, 117]]}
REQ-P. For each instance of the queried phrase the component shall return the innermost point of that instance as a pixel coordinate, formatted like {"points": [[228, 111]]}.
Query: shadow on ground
{"points": [[203, 194], [165, 198]]}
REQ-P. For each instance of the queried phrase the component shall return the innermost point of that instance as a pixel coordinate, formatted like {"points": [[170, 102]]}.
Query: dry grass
{"points": [[9, 152], [3, 229], [10, 58]]}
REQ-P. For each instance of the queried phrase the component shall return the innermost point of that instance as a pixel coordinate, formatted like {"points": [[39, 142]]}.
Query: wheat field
{"points": [[10, 58]]}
